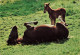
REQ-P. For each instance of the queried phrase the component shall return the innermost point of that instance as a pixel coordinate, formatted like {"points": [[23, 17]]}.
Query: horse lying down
{"points": [[39, 34]]}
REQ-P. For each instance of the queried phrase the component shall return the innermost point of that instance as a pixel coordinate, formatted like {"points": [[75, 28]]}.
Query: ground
{"points": [[18, 12]]}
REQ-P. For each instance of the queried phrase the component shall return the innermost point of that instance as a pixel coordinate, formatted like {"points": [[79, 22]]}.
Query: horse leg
{"points": [[63, 18], [32, 22], [27, 25], [12, 40], [53, 21]]}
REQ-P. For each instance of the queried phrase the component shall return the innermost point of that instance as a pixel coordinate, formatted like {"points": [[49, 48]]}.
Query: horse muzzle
{"points": [[44, 11]]}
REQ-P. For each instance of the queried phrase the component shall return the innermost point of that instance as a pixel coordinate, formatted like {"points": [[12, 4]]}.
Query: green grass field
{"points": [[17, 12]]}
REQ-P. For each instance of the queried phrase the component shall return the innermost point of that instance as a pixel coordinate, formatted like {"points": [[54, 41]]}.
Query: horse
{"points": [[39, 34], [54, 13]]}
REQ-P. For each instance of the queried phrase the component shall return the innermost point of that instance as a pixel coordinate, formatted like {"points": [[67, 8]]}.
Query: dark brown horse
{"points": [[54, 13], [42, 33]]}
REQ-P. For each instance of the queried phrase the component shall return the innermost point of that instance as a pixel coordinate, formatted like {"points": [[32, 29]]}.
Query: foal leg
{"points": [[63, 18], [53, 21]]}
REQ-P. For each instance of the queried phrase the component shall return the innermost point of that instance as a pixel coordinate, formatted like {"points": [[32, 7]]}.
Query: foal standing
{"points": [[54, 13]]}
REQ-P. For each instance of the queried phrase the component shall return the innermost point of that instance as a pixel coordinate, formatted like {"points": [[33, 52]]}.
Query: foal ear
{"points": [[48, 3]]}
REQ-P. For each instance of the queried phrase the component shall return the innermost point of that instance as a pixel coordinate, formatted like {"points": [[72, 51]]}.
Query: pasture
{"points": [[17, 12]]}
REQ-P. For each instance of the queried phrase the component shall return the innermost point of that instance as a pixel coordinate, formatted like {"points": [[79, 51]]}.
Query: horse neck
{"points": [[49, 10], [60, 27]]}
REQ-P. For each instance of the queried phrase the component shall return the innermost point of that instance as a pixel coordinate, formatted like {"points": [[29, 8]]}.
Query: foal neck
{"points": [[49, 10]]}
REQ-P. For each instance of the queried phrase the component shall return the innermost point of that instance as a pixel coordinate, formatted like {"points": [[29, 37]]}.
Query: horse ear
{"points": [[48, 3]]}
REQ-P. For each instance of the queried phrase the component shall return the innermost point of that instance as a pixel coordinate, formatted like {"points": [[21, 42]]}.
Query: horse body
{"points": [[54, 13], [42, 33], [39, 34], [45, 33]]}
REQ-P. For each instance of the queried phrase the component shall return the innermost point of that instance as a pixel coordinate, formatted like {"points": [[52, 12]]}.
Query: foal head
{"points": [[46, 6]]}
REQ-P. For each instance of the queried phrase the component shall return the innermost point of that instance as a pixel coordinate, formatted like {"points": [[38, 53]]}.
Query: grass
{"points": [[19, 12], [21, 8]]}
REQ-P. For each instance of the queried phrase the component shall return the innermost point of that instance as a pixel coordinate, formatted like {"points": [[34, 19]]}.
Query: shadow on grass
{"points": [[47, 43]]}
